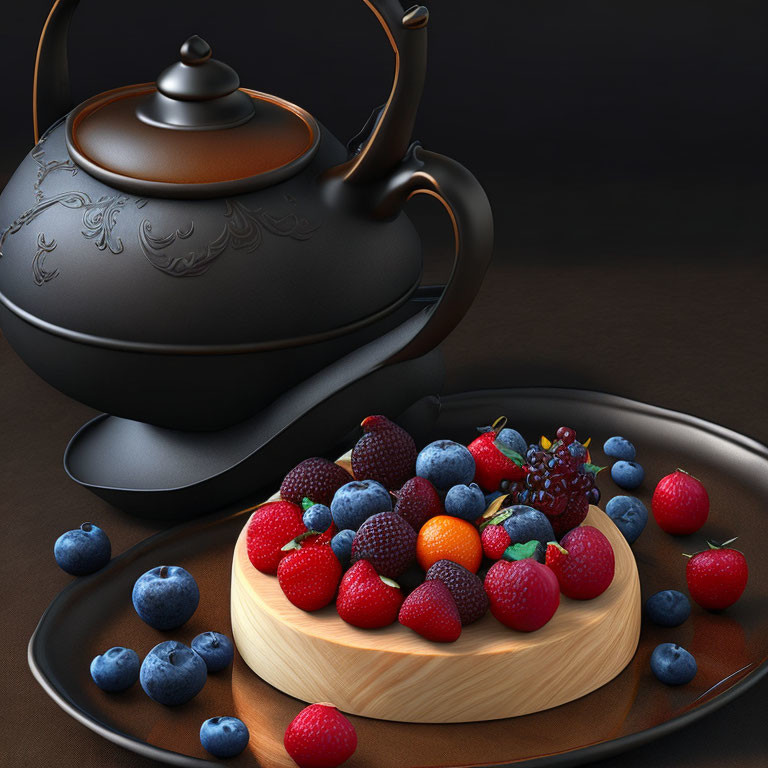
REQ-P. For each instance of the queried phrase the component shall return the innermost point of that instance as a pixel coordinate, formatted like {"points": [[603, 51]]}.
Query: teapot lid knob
{"points": [[197, 92], [195, 51]]}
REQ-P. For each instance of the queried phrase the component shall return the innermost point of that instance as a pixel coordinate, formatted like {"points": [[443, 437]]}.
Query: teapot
{"points": [[183, 254]]}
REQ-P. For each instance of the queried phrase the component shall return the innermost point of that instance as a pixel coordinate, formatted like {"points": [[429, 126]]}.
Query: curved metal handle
{"points": [[470, 212], [389, 136]]}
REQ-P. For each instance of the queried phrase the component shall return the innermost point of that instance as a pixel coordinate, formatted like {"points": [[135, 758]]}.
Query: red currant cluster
{"points": [[558, 479]]}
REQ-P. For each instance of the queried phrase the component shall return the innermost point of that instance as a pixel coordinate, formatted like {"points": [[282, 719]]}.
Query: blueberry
{"points": [[215, 649], [341, 544], [172, 673], [668, 608], [445, 464], [82, 551], [224, 736], [355, 502], [318, 518], [578, 451], [465, 501], [166, 596], [627, 474], [619, 448], [526, 524], [672, 664], [512, 439], [629, 514], [116, 669]]}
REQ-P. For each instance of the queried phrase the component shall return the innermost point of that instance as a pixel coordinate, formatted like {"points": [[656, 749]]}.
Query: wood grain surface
{"points": [[489, 673]]}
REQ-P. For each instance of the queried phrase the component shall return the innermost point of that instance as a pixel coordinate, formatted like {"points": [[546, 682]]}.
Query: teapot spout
{"points": [[380, 147]]}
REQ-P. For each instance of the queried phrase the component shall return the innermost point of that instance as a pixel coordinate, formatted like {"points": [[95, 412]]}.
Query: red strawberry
{"points": [[385, 453], [574, 515], [716, 577], [491, 465], [309, 575], [418, 501], [387, 542], [583, 563], [465, 587], [269, 528], [680, 503], [315, 479], [320, 737], [495, 541], [366, 599], [523, 594], [431, 612]]}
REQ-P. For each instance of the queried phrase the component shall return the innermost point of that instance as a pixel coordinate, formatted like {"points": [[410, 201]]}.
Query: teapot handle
{"points": [[464, 199], [383, 149]]}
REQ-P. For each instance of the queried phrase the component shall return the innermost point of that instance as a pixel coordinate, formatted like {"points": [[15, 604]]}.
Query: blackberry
{"points": [[465, 587], [316, 479], [387, 542]]}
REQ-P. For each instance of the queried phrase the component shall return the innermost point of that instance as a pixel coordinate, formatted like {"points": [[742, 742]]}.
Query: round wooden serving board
{"points": [[490, 672]]}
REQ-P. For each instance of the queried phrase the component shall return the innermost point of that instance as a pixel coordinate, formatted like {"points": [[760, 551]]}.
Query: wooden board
{"points": [[490, 672]]}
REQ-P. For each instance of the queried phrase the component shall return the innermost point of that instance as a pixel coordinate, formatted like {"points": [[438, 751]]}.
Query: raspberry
{"points": [[385, 453], [387, 541], [316, 479]]}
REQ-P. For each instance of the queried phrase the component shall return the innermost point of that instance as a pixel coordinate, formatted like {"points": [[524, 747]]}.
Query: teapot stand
{"points": [[172, 474]]}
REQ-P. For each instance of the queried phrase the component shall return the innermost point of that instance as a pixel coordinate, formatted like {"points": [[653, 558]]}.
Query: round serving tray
{"points": [[731, 648]]}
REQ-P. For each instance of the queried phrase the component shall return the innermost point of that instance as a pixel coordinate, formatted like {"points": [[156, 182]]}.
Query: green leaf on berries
{"points": [[593, 468], [390, 582], [510, 454], [306, 503], [500, 518], [296, 543], [520, 551]]}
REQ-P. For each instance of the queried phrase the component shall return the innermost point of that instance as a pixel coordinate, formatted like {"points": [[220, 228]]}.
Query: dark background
{"points": [[623, 146]]}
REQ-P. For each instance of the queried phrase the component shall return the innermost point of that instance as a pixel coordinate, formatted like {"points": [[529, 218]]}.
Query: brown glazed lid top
{"points": [[195, 133]]}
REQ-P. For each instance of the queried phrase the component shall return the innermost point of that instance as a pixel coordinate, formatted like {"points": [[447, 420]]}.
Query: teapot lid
{"points": [[193, 134]]}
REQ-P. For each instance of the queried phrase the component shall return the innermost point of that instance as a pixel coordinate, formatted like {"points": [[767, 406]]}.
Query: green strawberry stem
{"points": [[296, 543], [712, 545], [562, 549], [687, 473]]}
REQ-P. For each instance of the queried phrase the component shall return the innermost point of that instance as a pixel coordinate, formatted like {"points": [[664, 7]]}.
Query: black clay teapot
{"points": [[182, 253]]}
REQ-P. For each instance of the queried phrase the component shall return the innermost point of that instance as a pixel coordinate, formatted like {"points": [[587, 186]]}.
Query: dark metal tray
{"points": [[731, 648]]}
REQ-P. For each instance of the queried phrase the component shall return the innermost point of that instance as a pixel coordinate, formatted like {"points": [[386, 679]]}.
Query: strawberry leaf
{"points": [[520, 551], [306, 503], [511, 454]]}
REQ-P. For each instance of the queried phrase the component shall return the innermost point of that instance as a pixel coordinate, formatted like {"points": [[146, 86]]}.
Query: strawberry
{"points": [[680, 503], [716, 577], [583, 563], [465, 587], [316, 479], [269, 528], [495, 541], [320, 737], [387, 542], [523, 594], [385, 453], [491, 465], [418, 501], [431, 612], [366, 599], [309, 575]]}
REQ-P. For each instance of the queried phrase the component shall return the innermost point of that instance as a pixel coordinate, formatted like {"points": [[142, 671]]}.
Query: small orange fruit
{"points": [[449, 538]]}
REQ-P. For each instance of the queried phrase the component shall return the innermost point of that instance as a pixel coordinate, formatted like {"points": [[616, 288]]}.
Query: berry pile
{"points": [[559, 481], [404, 536]]}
